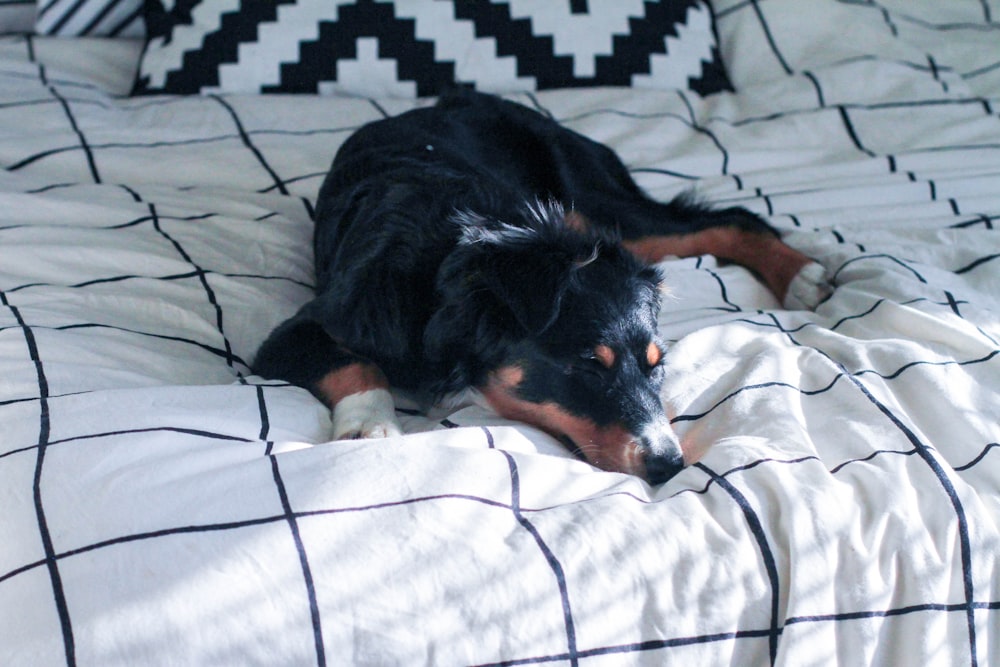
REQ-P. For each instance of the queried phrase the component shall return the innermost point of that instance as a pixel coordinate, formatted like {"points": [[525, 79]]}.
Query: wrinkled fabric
{"points": [[163, 505]]}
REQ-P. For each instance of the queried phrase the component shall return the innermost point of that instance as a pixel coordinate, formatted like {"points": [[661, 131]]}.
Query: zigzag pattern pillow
{"points": [[411, 48], [106, 18]]}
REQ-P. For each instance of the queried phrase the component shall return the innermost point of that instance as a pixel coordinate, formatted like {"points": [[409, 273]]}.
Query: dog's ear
{"points": [[525, 269], [530, 285], [498, 285]]}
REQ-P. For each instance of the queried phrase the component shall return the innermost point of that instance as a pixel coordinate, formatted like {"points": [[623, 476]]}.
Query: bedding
{"points": [[161, 504], [16, 16]]}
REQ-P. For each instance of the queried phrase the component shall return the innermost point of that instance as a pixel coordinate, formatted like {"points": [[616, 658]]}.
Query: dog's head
{"points": [[559, 328]]}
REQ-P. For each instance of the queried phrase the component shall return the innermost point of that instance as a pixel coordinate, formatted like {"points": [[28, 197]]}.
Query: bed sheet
{"points": [[163, 505]]}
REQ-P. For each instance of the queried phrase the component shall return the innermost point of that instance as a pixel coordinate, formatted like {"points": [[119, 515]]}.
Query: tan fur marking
{"points": [[653, 354], [767, 256], [351, 379], [576, 221], [605, 355], [609, 448]]}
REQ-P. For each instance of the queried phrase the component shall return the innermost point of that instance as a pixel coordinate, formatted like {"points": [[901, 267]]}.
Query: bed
{"points": [[161, 504]]}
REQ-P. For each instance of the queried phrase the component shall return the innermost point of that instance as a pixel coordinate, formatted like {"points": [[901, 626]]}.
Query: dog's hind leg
{"points": [[734, 235], [780, 266], [357, 392]]}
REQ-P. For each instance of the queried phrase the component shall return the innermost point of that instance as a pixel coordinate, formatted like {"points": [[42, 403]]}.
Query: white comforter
{"points": [[159, 504]]}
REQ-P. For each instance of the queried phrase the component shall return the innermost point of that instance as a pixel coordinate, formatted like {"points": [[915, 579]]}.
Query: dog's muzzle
{"points": [[662, 453]]}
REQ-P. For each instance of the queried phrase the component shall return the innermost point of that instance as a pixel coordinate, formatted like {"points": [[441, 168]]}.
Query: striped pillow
{"points": [[105, 18]]}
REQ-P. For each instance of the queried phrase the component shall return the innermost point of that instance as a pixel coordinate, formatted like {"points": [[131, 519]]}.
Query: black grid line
{"points": [[697, 127], [845, 107], [249, 144], [950, 288], [930, 458], [224, 353], [849, 128], [887, 17], [820, 99], [283, 517], [771, 634], [832, 383], [165, 278], [246, 137], [293, 526], [44, 430], [770, 37], [550, 557], [757, 530], [639, 647], [64, 103], [985, 220], [878, 256], [978, 459], [889, 613], [202, 277]]}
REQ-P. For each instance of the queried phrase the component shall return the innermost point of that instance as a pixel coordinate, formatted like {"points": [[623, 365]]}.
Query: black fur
{"points": [[442, 255]]}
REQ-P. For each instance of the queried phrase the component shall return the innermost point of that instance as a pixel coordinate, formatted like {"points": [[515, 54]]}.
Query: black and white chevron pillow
{"points": [[105, 18], [411, 48]]}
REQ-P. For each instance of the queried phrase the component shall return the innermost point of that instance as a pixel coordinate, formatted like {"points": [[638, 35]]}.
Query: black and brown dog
{"points": [[478, 243]]}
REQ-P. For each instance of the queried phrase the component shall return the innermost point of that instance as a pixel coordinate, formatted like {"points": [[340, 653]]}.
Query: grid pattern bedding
{"points": [[163, 505]]}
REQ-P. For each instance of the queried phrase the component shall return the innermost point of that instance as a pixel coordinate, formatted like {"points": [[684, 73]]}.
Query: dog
{"points": [[480, 244]]}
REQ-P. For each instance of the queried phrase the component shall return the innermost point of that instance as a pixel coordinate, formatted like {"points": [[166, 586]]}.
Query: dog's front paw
{"points": [[368, 414], [808, 288]]}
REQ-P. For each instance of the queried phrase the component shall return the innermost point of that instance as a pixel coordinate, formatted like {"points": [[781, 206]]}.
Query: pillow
{"points": [[416, 48], [16, 16], [95, 18]]}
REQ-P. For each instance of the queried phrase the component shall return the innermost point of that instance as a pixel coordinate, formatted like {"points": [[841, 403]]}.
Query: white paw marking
{"points": [[367, 414], [808, 288]]}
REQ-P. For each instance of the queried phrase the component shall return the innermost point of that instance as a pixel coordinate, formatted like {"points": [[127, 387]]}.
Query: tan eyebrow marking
{"points": [[576, 221], [653, 354], [605, 355]]}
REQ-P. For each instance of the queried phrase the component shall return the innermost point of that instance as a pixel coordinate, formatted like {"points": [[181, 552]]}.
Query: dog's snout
{"points": [[661, 467], [663, 457]]}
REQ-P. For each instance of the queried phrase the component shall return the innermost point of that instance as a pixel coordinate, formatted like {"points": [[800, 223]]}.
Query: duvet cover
{"points": [[161, 504]]}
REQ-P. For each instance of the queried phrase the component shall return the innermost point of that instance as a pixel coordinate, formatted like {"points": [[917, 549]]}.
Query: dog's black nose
{"points": [[663, 455], [661, 467]]}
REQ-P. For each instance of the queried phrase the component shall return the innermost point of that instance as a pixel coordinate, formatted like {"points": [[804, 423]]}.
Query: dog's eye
{"points": [[600, 359], [593, 364]]}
